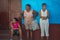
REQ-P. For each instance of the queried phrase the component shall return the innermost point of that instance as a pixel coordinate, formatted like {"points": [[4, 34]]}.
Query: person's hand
{"points": [[44, 18]]}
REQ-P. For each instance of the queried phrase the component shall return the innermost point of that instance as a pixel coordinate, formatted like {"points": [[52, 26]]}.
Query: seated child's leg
{"points": [[20, 32], [11, 33]]}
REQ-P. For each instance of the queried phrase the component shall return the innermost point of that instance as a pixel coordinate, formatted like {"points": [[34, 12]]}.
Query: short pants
{"points": [[16, 33]]}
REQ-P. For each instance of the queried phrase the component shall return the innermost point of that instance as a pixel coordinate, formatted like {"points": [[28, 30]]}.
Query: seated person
{"points": [[15, 28]]}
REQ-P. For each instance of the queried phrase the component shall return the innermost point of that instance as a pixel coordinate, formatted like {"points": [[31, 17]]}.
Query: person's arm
{"points": [[41, 15], [35, 14], [44, 18], [19, 27], [11, 26], [47, 14], [22, 15]]}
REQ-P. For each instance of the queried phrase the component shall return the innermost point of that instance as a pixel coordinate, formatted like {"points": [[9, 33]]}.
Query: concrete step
{"points": [[5, 35]]}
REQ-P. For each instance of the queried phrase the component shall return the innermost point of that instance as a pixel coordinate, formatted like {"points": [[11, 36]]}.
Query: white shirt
{"points": [[44, 13]]}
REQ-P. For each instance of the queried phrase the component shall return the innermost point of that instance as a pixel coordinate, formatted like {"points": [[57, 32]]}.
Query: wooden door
{"points": [[4, 14], [8, 10]]}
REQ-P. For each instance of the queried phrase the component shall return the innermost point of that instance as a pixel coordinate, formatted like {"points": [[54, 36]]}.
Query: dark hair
{"points": [[16, 19], [28, 5], [43, 4]]}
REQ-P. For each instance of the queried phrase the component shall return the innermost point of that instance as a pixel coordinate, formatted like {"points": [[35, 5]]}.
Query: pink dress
{"points": [[15, 25]]}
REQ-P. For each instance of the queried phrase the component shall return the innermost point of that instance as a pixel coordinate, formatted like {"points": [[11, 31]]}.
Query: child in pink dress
{"points": [[15, 28]]}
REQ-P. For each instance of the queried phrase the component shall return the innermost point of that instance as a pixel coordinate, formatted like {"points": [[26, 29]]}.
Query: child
{"points": [[15, 27], [44, 21]]}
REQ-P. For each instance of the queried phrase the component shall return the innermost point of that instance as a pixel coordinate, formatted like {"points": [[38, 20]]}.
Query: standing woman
{"points": [[44, 21], [28, 17]]}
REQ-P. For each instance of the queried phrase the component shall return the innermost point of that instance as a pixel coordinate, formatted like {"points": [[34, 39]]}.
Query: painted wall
{"points": [[52, 5]]}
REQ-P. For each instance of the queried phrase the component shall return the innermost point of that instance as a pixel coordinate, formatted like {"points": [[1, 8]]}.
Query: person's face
{"points": [[44, 7], [14, 20], [27, 8]]}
